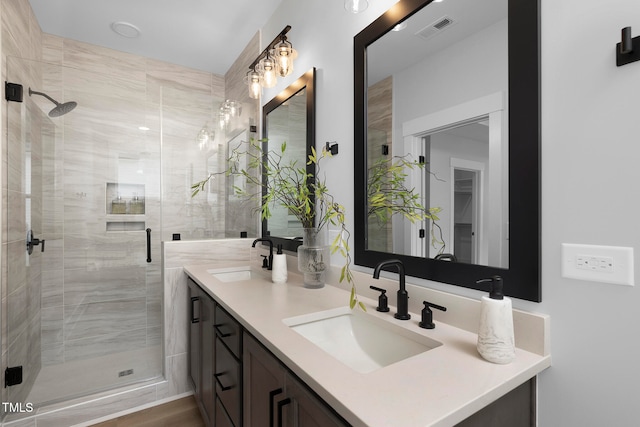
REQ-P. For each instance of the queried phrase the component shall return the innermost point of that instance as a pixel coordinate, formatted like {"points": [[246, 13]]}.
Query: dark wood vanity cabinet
{"points": [[215, 362], [273, 394], [238, 382], [201, 349]]}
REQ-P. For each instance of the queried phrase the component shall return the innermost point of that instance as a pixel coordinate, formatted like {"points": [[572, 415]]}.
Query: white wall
{"points": [[590, 151]]}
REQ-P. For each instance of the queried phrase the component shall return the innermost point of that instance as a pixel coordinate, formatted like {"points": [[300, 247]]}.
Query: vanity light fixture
{"points": [[275, 60], [254, 80], [356, 6]]}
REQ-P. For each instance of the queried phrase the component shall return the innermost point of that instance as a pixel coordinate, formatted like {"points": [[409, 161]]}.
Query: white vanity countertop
{"points": [[440, 387]]}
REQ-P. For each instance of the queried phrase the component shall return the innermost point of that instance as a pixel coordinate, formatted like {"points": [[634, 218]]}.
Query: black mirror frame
{"points": [[522, 278], [308, 81]]}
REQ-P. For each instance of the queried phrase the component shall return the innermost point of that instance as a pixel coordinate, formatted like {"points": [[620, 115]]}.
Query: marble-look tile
{"points": [[102, 60], [15, 19], [52, 325], [175, 311], [16, 317], [177, 376], [188, 77], [154, 313], [53, 354], [104, 284], [104, 344], [235, 88], [180, 253], [52, 47], [16, 258], [103, 318]]}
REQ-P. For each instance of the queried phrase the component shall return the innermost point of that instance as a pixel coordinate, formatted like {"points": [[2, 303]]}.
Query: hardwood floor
{"points": [[179, 413]]}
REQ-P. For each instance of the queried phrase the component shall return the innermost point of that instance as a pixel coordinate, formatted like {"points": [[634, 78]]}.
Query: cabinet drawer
{"points": [[228, 330], [222, 419], [228, 378]]}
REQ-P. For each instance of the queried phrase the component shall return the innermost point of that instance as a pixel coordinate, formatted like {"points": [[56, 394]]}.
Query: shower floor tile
{"points": [[72, 379]]}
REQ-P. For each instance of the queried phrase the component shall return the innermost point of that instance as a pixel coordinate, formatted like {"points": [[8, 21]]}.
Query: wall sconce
{"points": [[356, 6], [275, 60], [628, 50]]}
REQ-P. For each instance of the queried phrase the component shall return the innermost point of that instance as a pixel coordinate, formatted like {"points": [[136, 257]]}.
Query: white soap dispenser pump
{"points": [[496, 341], [279, 270]]}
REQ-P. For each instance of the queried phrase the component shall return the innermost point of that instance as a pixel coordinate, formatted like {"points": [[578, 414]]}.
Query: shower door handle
{"points": [[148, 245], [32, 241]]}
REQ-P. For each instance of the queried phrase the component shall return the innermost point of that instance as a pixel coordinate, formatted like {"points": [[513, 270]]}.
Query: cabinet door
{"points": [[263, 384], [194, 336], [306, 409], [228, 377], [207, 356]]}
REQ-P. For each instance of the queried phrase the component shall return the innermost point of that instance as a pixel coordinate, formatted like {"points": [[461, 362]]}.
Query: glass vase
{"points": [[314, 257]]}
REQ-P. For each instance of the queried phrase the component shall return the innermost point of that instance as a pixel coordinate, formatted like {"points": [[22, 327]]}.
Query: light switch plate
{"points": [[604, 264]]}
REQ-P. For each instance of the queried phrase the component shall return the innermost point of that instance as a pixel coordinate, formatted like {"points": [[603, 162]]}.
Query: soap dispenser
{"points": [[496, 341], [279, 270]]}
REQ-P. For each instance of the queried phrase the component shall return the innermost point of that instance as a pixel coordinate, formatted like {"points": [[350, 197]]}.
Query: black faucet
{"points": [[269, 265], [403, 296]]}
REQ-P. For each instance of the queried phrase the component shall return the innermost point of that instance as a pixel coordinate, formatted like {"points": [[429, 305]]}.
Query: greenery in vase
{"points": [[286, 182]]}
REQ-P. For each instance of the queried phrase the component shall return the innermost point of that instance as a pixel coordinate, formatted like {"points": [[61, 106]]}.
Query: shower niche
{"points": [[125, 203]]}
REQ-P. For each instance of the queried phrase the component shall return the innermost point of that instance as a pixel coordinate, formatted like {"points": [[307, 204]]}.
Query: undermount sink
{"points": [[235, 274], [361, 341]]}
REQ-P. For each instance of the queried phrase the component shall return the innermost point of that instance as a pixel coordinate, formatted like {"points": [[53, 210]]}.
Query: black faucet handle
{"points": [[265, 261], [382, 299], [427, 315]]}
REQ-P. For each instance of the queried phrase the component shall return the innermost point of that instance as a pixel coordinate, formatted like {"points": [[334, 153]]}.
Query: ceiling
{"points": [[205, 35]]}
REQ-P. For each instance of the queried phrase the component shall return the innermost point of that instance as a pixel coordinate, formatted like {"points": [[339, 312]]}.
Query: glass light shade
{"points": [[254, 81], [267, 69], [284, 54], [232, 108], [205, 137], [356, 6]]}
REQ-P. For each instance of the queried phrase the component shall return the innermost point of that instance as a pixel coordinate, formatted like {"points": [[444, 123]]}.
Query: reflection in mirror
{"points": [[430, 85], [290, 118], [456, 86]]}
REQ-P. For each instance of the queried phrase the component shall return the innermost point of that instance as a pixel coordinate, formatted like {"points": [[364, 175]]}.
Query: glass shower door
{"points": [[83, 315]]}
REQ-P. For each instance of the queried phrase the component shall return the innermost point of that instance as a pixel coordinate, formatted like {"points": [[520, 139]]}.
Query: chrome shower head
{"points": [[59, 109]]}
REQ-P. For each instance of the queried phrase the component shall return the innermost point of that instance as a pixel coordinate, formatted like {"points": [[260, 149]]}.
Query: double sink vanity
{"points": [[281, 354]]}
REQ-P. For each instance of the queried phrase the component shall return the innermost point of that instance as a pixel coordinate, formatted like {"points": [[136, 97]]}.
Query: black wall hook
{"points": [[332, 147], [628, 50]]}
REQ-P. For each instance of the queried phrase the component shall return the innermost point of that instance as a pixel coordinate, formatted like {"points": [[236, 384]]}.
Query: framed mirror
{"points": [[290, 118], [455, 86]]}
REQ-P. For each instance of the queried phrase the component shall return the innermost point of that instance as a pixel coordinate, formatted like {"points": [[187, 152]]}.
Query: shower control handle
{"points": [[32, 241]]}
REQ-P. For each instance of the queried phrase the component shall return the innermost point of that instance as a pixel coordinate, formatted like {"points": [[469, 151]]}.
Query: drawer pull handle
{"points": [[281, 405], [222, 387], [272, 395], [220, 333], [193, 318]]}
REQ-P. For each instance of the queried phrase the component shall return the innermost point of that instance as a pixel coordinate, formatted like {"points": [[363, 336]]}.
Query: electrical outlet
{"points": [[605, 264]]}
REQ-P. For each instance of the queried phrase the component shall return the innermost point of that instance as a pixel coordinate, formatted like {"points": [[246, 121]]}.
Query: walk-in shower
{"points": [[59, 109], [87, 314]]}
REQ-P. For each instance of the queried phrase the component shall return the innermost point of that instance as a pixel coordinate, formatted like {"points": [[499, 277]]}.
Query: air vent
{"points": [[435, 27]]}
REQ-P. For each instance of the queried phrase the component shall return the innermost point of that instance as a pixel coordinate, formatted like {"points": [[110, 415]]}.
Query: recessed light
{"points": [[143, 128], [125, 29]]}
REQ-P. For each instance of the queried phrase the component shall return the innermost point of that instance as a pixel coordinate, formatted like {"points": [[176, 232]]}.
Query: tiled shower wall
{"points": [[174, 103], [20, 332]]}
